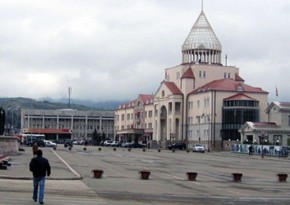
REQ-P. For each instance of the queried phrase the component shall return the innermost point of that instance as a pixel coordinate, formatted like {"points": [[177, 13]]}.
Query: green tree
{"points": [[103, 136], [96, 137], [2, 120]]}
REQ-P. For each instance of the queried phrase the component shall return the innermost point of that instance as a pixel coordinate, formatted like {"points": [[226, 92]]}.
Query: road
{"points": [[168, 183]]}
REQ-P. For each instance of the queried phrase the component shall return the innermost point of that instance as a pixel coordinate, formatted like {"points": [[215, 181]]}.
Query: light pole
{"points": [[10, 125], [208, 130], [198, 118], [263, 140]]}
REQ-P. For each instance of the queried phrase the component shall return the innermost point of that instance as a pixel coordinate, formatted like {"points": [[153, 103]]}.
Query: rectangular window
{"points": [[200, 74], [229, 75], [225, 75], [204, 74], [177, 75], [128, 116], [150, 113]]}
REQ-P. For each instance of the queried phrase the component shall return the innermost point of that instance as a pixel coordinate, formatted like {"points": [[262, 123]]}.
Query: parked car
{"points": [[68, 143], [177, 145], [49, 143], [108, 143], [198, 148], [116, 144], [39, 142], [136, 145], [125, 144]]}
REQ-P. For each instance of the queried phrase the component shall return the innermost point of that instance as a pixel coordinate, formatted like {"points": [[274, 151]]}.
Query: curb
{"points": [[47, 178], [77, 175]]}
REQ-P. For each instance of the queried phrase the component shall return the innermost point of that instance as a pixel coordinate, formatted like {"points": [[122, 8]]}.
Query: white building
{"points": [[200, 100], [274, 131], [67, 123]]}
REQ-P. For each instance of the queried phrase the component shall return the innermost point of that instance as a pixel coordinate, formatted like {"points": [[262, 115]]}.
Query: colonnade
{"points": [[208, 56]]}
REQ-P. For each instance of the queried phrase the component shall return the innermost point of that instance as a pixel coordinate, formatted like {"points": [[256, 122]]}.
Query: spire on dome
{"points": [[201, 44]]}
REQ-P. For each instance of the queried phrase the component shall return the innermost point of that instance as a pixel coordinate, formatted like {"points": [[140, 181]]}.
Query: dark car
{"points": [[136, 145], [68, 143], [40, 143], [177, 145]]}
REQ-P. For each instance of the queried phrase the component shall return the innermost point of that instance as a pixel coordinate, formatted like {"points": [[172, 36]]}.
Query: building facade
{"points": [[67, 123], [134, 120], [201, 100], [274, 131]]}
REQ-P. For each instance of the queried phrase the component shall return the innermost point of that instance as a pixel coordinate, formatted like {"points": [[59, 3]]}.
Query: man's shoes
{"points": [[41, 203], [34, 200]]}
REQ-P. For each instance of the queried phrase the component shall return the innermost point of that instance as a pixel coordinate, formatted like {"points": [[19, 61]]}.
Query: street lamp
{"points": [[198, 119], [263, 140]]}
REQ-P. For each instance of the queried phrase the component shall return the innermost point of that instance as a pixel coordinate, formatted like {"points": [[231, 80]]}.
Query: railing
{"points": [[268, 150]]}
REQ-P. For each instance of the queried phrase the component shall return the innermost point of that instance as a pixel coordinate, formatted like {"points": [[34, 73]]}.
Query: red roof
{"points": [[228, 84], [239, 96], [172, 87], [146, 97], [238, 78], [188, 74], [264, 124], [284, 104]]}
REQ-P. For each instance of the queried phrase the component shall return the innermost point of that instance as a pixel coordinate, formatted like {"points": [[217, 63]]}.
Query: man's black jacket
{"points": [[39, 166]]}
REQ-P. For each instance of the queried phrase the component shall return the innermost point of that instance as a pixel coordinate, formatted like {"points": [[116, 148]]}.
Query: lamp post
{"points": [[198, 119], [208, 130], [263, 140], [10, 127]]}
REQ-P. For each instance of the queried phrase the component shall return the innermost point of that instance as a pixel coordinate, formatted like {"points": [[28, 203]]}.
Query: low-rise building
{"points": [[134, 120], [67, 123], [276, 131]]}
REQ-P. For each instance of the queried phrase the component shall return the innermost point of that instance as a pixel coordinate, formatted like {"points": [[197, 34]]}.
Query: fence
{"points": [[268, 150]]}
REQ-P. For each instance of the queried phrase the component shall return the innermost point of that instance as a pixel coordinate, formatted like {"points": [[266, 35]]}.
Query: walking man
{"points": [[40, 168]]}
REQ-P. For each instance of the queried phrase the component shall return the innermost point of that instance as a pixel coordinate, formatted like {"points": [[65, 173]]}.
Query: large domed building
{"points": [[199, 101]]}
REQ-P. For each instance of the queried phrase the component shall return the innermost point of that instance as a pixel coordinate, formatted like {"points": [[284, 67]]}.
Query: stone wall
{"points": [[9, 145]]}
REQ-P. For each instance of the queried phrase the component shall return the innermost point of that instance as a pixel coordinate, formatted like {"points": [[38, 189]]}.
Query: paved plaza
{"points": [[72, 182]]}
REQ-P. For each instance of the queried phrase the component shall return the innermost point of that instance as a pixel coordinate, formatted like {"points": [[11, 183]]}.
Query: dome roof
{"points": [[201, 36]]}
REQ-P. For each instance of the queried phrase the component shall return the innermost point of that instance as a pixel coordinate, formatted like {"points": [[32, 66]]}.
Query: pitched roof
{"points": [[145, 97], [172, 87], [127, 105], [268, 125], [188, 74], [238, 78], [229, 85], [282, 106], [239, 96]]}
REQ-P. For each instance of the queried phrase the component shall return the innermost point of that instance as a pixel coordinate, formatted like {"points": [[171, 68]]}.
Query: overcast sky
{"points": [[117, 49]]}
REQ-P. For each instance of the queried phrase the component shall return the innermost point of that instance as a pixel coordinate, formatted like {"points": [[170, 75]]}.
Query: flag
{"points": [[277, 91]]}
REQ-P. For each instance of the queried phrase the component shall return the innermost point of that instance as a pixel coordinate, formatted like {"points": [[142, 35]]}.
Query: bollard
{"points": [[144, 174]]}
